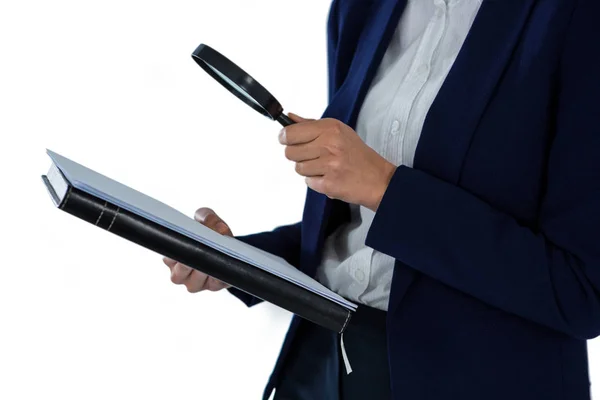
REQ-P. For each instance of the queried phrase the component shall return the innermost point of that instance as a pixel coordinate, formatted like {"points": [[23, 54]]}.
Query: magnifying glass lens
{"points": [[234, 85], [241, 84]]}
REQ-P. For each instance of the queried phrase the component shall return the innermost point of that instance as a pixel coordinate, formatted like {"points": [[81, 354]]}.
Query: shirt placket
{"points": [[361, 268], [406, 99], [402, 107]]}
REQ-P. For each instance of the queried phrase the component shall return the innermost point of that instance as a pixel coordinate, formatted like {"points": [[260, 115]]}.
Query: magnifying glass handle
{"points": [[285, 120]]}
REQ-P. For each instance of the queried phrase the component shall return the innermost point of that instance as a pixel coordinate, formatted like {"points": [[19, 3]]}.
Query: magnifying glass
{"points": [[238, 82]]}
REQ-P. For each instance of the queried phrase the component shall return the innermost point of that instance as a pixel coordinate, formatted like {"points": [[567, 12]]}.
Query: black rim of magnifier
{"points": [[264, 102]]}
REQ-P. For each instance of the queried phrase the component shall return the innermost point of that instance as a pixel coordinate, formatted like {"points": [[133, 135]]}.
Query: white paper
{"points": [[131, 200]]}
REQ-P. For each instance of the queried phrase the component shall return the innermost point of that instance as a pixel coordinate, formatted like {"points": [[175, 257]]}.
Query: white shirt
{"points": [[413, 69]]}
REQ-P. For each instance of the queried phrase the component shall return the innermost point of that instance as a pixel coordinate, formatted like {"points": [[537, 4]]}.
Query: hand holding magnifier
{"points": [[352, 172], [238, 82]]}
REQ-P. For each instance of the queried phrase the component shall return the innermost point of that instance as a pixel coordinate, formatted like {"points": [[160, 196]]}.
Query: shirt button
{"points": [[360, 275], [395, 126]]}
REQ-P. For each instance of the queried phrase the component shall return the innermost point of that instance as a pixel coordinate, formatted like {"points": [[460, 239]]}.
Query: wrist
{"points": [[387, 171]]}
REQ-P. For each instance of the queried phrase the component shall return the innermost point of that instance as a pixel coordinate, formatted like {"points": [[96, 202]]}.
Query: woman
{"points": [[454, 192]]}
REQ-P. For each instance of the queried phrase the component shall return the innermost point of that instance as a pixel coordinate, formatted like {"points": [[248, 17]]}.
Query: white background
{"points": [[84, 314]]}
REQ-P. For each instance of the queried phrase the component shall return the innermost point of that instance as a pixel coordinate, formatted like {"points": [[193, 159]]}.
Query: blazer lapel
{"points": [[458, 107], [373, 42]]}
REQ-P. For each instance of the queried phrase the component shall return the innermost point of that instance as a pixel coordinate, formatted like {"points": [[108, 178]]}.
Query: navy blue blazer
{"points": [[496, 229]]}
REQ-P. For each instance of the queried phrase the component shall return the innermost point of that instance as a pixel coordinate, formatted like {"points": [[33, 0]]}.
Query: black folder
{"points": [[83, 200]]}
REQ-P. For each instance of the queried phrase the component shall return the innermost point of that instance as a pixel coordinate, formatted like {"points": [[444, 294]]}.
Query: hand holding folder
{"points": [[184, 275]]}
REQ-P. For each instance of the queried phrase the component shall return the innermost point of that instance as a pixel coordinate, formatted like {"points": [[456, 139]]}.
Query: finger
{"points": [[320, 184], [223, 229], [311, 168], [179, 273], [204, 213], [214, 285], [302, 132], [296, 118], [196, 281], [169, 262], [302, 152], [210, 219]]}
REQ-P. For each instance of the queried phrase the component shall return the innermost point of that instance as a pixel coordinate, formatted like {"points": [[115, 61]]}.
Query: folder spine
{"points": [[237, 273]]}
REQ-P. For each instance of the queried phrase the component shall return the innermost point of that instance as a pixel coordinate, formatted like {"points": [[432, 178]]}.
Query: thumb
{"points": [[297, 118]]}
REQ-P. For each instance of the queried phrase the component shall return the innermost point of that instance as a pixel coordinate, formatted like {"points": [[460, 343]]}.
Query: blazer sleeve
{"points": [[550, 275], [284, 242]]}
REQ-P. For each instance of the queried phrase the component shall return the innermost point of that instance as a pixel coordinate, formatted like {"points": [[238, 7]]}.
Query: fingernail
{"points": [[282, 137]]}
